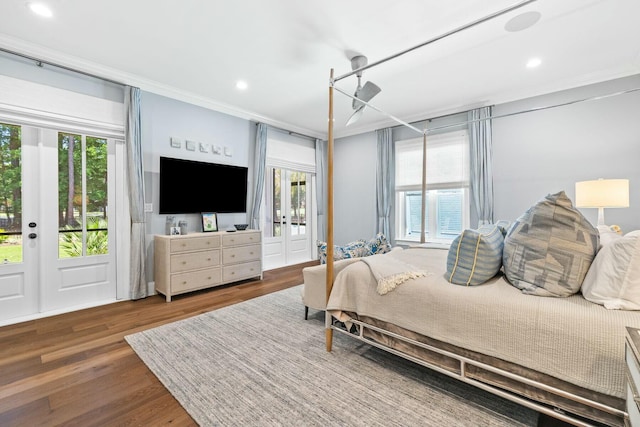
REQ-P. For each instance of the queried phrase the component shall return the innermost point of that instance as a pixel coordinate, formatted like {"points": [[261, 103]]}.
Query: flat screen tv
{"points": [[187, 186]]}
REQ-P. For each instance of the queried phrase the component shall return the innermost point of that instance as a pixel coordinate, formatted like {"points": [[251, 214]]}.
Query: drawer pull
{"points": [[250, 253], [233, 256], [184, 244], [233, 272], [208, 259], [184, 283], [209, 278], [184, 262]]}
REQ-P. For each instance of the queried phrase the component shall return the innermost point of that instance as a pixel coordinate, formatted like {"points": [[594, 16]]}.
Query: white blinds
{"points": [[447, 162], [29, 103], [292, 156]]}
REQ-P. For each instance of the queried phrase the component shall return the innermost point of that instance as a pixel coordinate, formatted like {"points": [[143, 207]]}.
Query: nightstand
{"points": [[632, 357]]}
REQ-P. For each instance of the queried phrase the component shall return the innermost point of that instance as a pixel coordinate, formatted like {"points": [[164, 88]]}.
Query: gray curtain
{"points": [[481, 163], [385, 182], [259, 165], [321, 188], [135, 175]]}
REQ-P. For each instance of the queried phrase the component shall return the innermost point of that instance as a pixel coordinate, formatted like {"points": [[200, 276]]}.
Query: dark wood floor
{"points": [[76, 369]]}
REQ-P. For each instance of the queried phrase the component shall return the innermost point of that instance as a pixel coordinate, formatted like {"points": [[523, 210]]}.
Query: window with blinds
{"points": [[447, 196]]}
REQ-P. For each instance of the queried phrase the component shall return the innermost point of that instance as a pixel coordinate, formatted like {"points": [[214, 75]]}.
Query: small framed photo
{"points": [[175, 231], [209, 222]]}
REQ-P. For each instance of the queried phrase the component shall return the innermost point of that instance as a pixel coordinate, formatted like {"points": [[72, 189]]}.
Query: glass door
{"points": [[287, 232], [56, 239]]}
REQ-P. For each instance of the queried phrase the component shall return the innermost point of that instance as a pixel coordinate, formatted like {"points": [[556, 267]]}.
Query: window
{"points": [[447, 197]]}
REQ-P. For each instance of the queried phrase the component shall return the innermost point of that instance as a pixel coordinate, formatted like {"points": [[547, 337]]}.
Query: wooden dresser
{"points": [[204, 260]]}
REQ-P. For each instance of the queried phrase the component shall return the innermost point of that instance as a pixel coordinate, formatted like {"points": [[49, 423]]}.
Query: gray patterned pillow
{"points": [[549, 249]]}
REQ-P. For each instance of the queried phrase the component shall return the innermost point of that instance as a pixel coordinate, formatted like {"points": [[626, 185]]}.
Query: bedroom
{"points": [[518, 183]]}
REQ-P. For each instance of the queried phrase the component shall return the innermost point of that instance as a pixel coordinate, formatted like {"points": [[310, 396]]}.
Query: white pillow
{"points": [[614, 277]]}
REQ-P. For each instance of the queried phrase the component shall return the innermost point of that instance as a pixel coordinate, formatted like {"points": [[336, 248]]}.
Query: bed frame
{"points": [[534, 390], [531, 389]]}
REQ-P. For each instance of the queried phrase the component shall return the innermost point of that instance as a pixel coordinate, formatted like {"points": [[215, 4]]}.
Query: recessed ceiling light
{"points": [[242, 85], [534, 62], [522, 21], [40, 9]]}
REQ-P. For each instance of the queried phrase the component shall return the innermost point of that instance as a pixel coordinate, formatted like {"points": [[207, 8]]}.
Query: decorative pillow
{"points": [[350, 250], [378, 245], [549, 249], [475, 256], [614, 277]]}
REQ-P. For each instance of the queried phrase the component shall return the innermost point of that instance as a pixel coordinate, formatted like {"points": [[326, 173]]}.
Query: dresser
{"points": [[632, 357], [204, 260]]}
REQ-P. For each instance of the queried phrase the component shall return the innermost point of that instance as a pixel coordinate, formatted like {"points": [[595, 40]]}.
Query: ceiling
{"points": [[196, 50]]}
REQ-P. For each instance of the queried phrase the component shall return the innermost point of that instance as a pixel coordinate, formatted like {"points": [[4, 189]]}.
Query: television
{"points": [[188, 186]]}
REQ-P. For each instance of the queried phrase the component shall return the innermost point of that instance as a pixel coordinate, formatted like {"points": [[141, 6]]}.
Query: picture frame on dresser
{"points": [[209, 222]]}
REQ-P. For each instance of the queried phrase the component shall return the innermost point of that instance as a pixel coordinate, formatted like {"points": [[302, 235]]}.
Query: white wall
{"points": [[547, 151], [355, 188]]}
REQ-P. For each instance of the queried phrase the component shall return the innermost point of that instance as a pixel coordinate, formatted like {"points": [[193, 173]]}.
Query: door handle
{"points": [[32, 235], [32, 225]]}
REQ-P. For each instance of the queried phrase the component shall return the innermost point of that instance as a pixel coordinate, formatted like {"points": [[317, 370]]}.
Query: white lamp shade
{"points": [[603, 193]]}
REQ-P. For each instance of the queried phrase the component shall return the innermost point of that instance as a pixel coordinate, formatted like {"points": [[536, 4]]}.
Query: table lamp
{"points": [[602, 193]]}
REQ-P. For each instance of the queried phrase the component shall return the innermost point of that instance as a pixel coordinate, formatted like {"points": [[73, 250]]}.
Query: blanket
{"points": [[391, 272]]}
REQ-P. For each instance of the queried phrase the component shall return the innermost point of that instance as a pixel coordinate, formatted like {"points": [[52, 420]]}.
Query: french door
{"points": [[57, 241], [287, 228]]}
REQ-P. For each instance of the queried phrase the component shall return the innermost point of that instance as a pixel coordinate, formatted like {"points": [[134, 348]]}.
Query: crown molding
{"points": [[53, 57]]}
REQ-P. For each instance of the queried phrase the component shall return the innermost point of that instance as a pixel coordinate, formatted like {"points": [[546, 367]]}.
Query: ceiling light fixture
{"points": [[522, 21], [242, 85], [40, 9], [534, 62]]}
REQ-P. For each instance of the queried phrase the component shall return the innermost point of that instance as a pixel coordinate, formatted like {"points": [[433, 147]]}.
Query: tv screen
{"points": [[187, 186]]}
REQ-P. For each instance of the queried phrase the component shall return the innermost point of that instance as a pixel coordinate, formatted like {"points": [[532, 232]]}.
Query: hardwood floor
{"points": [[76, 369]]}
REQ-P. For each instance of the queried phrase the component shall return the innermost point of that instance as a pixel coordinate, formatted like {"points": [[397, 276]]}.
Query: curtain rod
{"points": [[41, 63], [435, 39], [290, 132]]}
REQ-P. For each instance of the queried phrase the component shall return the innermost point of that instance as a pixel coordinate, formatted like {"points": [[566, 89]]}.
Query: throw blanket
{"points": [[391, 272]]}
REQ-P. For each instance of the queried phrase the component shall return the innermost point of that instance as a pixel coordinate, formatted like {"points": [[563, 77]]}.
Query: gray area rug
{"points": [[260, 363]]}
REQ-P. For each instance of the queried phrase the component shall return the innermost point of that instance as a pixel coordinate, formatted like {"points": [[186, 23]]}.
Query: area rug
{"points": [[260, 363]]}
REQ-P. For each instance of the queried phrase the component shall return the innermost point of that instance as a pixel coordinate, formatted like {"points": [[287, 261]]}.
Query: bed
{"points": [[561, 356]]}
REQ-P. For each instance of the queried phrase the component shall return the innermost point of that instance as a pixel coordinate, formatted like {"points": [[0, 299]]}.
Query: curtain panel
{"points": [[481, 163], [385, 182], [259, 162], [321, 188], [135, 175]]}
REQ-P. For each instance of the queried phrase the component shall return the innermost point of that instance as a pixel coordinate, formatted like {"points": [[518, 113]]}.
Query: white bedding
{"points": [[569, 338]]}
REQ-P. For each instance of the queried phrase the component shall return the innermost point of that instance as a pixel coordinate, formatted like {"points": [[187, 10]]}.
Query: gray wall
{"points": [[355, 188], [547, 151], [163, 118], [535, 154]]}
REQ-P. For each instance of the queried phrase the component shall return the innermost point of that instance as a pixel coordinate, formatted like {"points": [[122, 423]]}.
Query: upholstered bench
{"points": [[314, 290]]}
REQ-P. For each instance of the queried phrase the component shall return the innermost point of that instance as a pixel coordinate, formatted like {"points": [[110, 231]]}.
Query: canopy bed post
{"points": [[329, 279], [424, 187]]}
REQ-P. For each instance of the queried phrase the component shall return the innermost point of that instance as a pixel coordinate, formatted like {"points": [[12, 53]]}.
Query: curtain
{"points": [[135, 175], [481, 163], [321, 188], [385, 182], [260, 160]]}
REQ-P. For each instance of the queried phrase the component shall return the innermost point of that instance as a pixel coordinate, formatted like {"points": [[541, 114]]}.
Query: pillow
{"points": [[614, 277], [475, 256], [350, 250], [378, 245], [549, 249]]}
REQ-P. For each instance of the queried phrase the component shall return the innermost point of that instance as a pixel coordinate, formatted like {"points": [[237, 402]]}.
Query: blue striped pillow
{"points": [[475, 256]]}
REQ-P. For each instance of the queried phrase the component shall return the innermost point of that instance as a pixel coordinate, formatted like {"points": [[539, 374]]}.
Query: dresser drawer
{"points": [[195, 260], [194, 243], [241, 254], [241, 271], [195, 280], [240, 239]]}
